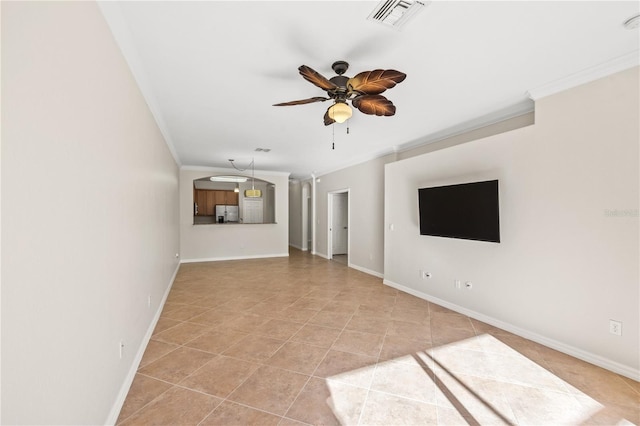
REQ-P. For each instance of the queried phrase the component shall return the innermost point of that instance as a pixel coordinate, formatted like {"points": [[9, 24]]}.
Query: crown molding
{"points": [[587, 75], [115, 20], [360, 160], [521, 108], [524, 107]]}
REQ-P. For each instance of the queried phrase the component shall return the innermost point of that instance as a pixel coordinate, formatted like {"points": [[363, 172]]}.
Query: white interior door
{"points": [[340, 223], [308, 224]]}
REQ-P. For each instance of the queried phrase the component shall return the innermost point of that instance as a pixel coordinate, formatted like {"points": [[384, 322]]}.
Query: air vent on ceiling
{"points": [[263, 149], [396, 13]]}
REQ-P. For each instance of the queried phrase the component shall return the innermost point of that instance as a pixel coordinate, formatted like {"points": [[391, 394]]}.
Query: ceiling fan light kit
{"points": [[340, 112], [364, 91]]}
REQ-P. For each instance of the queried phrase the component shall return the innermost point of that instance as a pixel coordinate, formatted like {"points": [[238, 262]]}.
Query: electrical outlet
{"points": [[615, 327], [121, 348], [148, 301], [457, 284]]}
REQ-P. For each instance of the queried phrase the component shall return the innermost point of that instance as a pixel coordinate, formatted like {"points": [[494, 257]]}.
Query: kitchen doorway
{"points": [[338, 240]]}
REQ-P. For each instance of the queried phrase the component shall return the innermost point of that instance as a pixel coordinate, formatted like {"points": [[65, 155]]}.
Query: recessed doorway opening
{"points": [[338, 238]]}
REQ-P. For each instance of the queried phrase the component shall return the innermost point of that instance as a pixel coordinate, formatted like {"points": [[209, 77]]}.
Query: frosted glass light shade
{"points": [[340, 112]]}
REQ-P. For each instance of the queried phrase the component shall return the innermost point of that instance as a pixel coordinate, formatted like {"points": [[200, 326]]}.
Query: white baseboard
{"points": [[354, 266], [218, 259], [608, 364], [365, 270], [124, 389], [297, 247]]}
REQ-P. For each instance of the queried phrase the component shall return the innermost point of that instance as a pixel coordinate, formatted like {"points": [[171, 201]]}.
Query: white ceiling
{"points": [[211, 70]]}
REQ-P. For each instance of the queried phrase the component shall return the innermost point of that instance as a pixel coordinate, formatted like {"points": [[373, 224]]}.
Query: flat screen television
{"points": [[468, 211]]}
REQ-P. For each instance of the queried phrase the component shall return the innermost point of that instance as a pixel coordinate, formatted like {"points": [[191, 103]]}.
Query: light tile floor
{"points": [[303, 340]]}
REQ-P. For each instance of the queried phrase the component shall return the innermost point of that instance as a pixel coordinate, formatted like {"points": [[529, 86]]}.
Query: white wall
{"points": [[232, 241], [89, 215], [564, 266]]}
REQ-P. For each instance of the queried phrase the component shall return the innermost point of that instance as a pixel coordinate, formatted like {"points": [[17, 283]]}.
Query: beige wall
{"points": [[365, 183], [89, 216], [295, 214], [232, 241], [565, 266], [487, 130]]}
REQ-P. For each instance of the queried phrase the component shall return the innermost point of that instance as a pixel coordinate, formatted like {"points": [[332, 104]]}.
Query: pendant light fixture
{"points": [[253, 192]]}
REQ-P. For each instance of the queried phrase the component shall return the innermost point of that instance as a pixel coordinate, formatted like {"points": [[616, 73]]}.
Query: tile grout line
{"points": [[260, 364], [317, 366], [226, 398], [350, 289], [366, 398], [151, 401]]}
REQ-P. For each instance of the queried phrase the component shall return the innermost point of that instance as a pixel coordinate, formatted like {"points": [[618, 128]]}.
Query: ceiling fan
{"points": [[363, 91]]}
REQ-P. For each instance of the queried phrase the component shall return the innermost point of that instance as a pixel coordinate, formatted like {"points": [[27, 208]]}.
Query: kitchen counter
{"points": [[209, 220]]}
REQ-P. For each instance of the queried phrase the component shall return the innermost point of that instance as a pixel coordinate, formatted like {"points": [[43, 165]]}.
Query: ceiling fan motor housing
{"points": [[340, 67], [341, 91]]}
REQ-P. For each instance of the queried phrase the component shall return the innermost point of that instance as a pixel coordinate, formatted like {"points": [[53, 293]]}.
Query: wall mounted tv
{"points": [[468, 211]]}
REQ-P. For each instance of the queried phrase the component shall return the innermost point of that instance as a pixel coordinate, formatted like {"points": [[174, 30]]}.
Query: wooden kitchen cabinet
{"points": [[208, 199], [232, 198], [201, 200], [221, 197]]}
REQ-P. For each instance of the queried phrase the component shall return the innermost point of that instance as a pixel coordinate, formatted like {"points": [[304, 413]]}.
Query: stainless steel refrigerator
{"points": [[226, 213]]}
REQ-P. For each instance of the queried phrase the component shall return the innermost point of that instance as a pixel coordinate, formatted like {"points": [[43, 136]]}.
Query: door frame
{"points": [[306, 217], [330, 197]]}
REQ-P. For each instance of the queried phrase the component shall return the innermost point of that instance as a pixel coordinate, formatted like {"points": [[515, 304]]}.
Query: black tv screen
{"points": [[469, 211]]}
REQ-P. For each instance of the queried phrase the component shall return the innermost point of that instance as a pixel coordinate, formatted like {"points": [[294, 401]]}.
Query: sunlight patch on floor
{"points": [[479, 380]]}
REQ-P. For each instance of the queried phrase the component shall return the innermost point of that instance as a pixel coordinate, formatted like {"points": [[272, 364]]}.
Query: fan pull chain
{"points": [[333, 142], [347, 126]]}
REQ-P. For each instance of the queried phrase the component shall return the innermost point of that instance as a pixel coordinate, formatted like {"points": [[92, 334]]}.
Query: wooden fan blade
{"points": [[374, 105], [316, 78], [375, 82], [328, 120], [303, 101]]}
